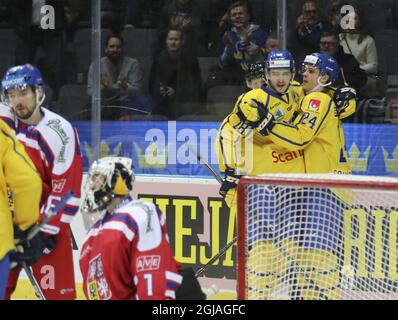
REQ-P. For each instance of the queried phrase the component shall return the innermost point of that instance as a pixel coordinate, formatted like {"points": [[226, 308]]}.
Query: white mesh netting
{"points": [[307, 241]]}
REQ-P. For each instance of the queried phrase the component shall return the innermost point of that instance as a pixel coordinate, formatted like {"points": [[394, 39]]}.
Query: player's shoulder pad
{"points": [[59, 136], [55, 126], [315, 101], [295, 83], [7, 115], [147, 221], [256, 94]]}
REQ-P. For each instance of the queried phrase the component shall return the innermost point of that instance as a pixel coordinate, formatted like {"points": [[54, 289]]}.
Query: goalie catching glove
{"points": [[30, 251], [342, 97]]}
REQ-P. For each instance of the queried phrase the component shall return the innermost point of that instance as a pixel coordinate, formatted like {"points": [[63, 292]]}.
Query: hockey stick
{"points": [[216, 257], [32, 232], [207, 166], [219, 180], [33, 281]]}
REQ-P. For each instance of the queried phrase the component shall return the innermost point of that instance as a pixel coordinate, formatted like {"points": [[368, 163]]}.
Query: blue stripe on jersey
{"points": [[70, 209], [126, 218], [4, 271], [269, 92], [172, 284], [43, 145], [9, 122]]}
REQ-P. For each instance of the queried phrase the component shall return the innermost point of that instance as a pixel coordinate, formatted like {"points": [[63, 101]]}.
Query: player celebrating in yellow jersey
{"points": [[316, 130], [241, 150]]}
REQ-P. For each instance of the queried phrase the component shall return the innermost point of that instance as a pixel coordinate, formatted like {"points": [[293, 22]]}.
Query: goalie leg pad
{"points": [[267, 268], [322, 268]]}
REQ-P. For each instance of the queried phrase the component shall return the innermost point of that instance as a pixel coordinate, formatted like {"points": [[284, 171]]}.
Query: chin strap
{"points": [[319, 86]]}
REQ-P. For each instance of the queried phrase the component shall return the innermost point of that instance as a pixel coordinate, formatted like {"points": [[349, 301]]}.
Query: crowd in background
{"points": [[194, 47]]}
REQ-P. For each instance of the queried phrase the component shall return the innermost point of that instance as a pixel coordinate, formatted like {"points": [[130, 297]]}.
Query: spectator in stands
{"points": [[335, 14], [243, 44], [218, 22], [188, 16], [309, 26], [360, 44], [272, 43], [175, 79], [121, 79], [349, 66], [27, 20]]}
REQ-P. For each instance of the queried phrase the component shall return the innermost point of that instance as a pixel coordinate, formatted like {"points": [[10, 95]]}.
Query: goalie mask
{"points": [[107, 178]]}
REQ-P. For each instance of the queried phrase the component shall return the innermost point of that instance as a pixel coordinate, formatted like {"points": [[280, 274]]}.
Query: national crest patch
{"points": [[314, 104]]}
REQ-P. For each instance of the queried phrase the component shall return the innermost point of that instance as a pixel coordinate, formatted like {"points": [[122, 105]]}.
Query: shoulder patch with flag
{"points": [[314, 104]]}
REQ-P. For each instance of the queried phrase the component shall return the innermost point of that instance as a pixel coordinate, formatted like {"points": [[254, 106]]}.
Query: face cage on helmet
{"points": [[97, 197]]}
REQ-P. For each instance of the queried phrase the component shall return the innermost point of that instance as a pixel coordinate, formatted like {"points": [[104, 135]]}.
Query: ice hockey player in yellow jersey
{"points": [[318, 132], [240, 149], [19, 174]]}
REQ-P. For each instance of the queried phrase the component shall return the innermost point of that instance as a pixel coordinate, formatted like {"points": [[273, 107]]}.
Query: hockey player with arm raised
{"points": [[316, 129], [53, 146], [19, 174], [241, 150], [318, 132], [126, 254]]}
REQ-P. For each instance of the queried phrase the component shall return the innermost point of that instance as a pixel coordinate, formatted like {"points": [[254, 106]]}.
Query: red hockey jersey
{"points": [[53, 146], [127, 255]]}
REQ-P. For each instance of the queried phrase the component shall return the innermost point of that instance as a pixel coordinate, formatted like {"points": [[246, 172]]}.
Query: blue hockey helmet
{"points": [[279, 59], [326, 64], [22, 76]]}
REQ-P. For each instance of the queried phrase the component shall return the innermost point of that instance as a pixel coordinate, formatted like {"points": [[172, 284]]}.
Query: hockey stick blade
{"points": [[33, 281]]}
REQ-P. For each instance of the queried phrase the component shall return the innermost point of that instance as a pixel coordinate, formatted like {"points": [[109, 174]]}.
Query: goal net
{"points": [[317, 237]]}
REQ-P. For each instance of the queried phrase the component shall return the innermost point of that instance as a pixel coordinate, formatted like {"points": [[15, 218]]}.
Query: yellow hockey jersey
{"points": [[19, 174], [244, 149], [318, 132]]}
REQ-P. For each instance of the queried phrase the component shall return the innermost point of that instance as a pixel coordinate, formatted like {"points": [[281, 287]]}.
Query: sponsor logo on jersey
{"points": [[55, 124], [145, 263], [314, 104], [58, 185], [287, 156]]}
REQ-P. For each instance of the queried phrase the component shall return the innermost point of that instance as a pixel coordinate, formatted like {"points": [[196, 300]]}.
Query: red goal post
{"points": [[317, 236]]}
